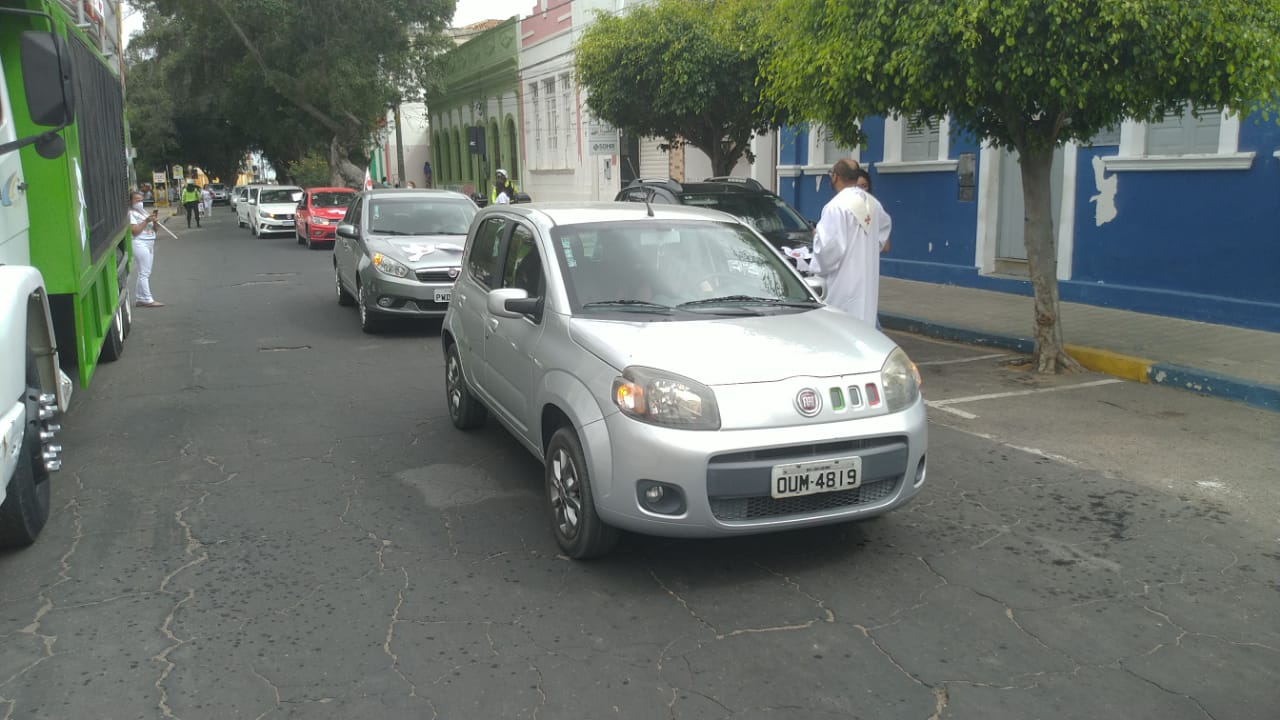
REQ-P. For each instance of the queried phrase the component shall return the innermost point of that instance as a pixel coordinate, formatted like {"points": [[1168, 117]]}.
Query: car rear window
{"points": [[765, 213]]}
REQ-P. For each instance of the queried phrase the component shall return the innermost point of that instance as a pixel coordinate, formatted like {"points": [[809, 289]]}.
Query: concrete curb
{"points": [[1129, 367]]}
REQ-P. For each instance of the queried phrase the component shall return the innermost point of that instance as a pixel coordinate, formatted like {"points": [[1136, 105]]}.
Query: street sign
{"points": [[157, 178], [602, 138]]}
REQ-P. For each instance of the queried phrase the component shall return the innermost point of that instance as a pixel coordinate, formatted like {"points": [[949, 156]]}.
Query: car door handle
{"points": [[491, 326]]}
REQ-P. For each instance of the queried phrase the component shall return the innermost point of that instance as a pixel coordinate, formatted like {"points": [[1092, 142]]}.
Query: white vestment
{"points": [[846, 251]]}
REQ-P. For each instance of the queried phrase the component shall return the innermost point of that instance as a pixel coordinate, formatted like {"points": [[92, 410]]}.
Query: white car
{"points": [[247, 192], [272, 209], [675, 376]]}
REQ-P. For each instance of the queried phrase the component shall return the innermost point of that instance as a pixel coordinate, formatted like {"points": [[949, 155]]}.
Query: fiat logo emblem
{"points": [[453, 273], [808, 402]]}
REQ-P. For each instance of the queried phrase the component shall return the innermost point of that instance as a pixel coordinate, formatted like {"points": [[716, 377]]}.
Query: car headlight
{"points": [[387, 266], [264, 214], [900, 380], [666, 399], [320, 221]]}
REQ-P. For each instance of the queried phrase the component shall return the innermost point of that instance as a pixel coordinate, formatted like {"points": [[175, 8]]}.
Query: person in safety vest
{"points": [[191, 201], [503, 192]]}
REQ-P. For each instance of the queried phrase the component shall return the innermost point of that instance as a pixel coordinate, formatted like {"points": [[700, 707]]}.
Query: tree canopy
{"points": [[1024, 74], [284, 77], [682, 70]]}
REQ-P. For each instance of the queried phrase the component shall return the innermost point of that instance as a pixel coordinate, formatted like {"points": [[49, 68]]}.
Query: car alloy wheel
{"points": [[566, 494]]}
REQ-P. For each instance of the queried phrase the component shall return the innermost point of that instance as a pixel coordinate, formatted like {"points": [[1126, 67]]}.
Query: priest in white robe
{"points": [[854, 229]]}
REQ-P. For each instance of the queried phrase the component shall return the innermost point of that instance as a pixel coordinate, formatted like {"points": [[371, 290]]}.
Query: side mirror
{"points": [[479, 199], [523, 198], [817, 285], [513, 303], [346, 230], [46, 75]]}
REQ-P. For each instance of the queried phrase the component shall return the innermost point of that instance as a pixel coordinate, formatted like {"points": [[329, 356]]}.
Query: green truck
{"points": [[65, 251]]}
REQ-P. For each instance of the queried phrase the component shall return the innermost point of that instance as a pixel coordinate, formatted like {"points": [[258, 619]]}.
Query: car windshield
{"points": [[331, 199], [657, 265], [266, 197], [217, 186], [419, 216], [766, 213]]}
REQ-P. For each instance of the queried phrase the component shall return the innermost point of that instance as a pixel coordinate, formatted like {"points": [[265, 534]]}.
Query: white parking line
{"points": [[963, 360], [944, 405]]}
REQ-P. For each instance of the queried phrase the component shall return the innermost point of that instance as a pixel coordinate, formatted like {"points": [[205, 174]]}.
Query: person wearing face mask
{"points": [[143, 227]]}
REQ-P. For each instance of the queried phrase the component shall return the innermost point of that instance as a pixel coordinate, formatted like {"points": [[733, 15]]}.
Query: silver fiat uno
{"points": [[675, 375]]}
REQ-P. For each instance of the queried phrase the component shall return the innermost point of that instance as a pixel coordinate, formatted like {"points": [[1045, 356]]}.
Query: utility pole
{"points": [[400, 148]]}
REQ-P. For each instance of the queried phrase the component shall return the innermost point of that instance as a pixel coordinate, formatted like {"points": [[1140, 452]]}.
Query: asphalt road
{"points": [[265, 513]]}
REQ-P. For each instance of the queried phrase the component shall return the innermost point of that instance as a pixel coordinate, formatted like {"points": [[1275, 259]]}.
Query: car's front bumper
{"points": [[274, 225], [322, 233], [407, 297], [724, 476]]}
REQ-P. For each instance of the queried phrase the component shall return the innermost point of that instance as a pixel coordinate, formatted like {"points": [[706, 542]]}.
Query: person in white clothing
{"points": [[143, 227], [847, 243], [206, 200]]}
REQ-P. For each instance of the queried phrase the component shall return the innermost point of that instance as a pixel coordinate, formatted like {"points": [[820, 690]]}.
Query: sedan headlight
{"points": [[264, 214], [666, 399], [321, 221], [900, 380], [387, 266]]}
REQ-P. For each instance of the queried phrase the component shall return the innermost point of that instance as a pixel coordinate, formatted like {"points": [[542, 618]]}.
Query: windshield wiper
{"points": [[749, 299], [637, 304], [376, 231]]}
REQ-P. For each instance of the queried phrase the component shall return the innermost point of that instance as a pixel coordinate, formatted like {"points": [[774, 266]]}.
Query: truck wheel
{"points": [[297, 233], [26, 506], [113, 344]]}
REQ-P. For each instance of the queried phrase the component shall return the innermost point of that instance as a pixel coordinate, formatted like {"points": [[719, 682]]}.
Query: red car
{"points": [[319, 212]]}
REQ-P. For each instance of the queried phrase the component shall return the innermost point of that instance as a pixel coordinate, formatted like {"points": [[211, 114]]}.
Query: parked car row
{"points": [[673, 373]]}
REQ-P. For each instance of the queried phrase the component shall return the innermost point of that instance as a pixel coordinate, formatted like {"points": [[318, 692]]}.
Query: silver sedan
{"points": [[676, 376], [398, 252]]}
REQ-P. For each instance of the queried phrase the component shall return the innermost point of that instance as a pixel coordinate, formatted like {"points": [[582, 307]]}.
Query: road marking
{"points": [[963, 360], [944, 404]]}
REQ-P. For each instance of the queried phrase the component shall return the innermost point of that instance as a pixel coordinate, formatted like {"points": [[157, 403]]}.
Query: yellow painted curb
{"points": [[1111, 363]]}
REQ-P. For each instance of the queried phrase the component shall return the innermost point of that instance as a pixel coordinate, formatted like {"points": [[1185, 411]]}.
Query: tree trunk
{"points": [[343, 172], [1042, 260]]}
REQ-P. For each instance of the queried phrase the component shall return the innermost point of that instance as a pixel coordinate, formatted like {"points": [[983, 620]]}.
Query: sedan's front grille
{"points": [[437, 275], [754, 508]]}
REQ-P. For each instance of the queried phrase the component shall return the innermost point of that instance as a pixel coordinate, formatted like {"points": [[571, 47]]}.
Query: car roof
{"points": [[593, 212], [414, 192]]}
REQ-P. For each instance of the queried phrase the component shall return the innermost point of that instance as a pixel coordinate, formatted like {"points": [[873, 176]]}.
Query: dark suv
{"points": [[742, 197]]}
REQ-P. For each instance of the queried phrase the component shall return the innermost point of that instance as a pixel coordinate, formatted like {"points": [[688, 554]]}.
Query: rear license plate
{"points": [[811, 478], [443, 296]]}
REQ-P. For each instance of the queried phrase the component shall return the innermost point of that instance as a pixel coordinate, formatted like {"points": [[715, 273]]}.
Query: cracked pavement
{"points": [[248, 534]]}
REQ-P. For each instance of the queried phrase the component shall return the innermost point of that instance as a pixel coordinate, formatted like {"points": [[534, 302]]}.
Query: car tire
{"points": [[310, 245], [113, 343], [26, 505], [345, 298], [298, 235], [465, 411], [370, 321], [579, 531], [239, 222]]}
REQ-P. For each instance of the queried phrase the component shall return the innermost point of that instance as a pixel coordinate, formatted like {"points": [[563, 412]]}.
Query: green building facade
{"points": [[480, 89]]}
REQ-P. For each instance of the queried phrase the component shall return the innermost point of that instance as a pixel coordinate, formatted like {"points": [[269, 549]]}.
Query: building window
{"points": [[1181, 141], [916, 145], [566, 101], [553, 118], [536, 113], [920, 140]]}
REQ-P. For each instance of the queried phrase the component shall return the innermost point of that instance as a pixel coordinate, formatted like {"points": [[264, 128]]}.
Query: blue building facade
{"points": [[1179, 218]]}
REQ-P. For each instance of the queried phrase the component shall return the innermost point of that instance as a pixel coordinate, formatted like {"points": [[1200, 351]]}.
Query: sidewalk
{"points": [[1217, 360]]}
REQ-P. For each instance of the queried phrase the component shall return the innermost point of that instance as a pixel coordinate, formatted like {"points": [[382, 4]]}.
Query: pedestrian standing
{"points": [[206, 201], [426, 171], [853, 230], [143, 227], [191, 201], [862, 179]]}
